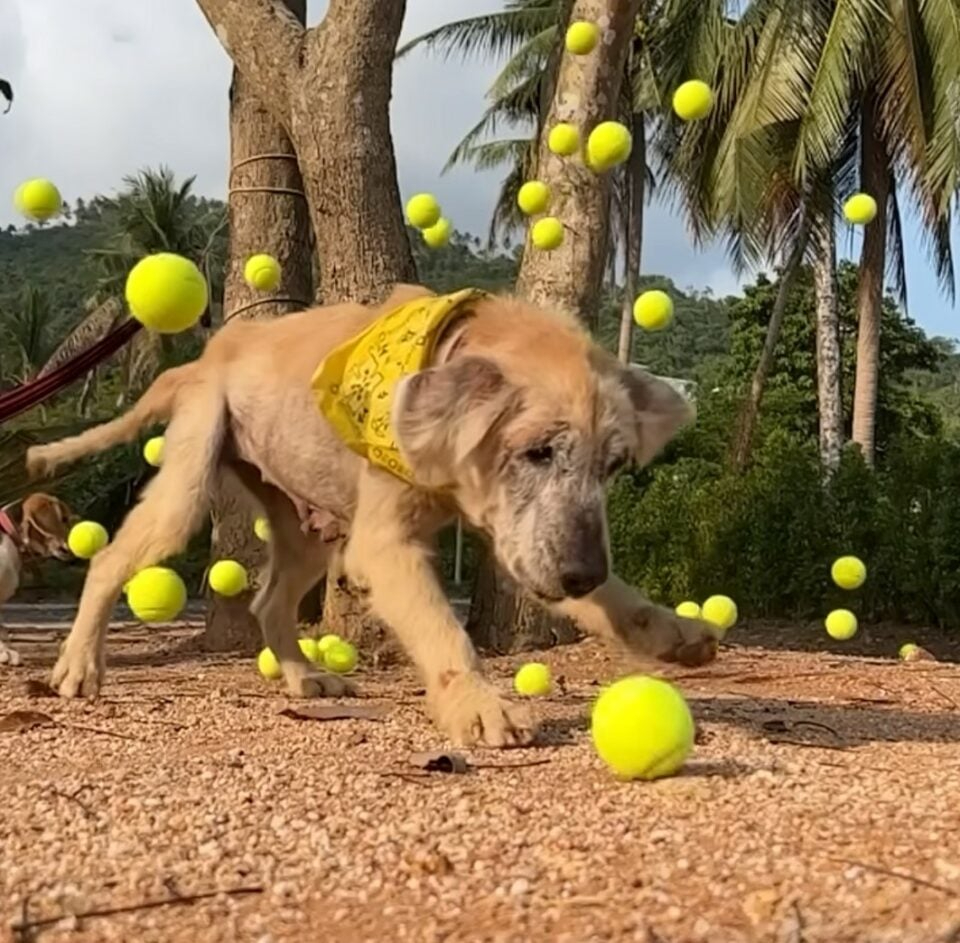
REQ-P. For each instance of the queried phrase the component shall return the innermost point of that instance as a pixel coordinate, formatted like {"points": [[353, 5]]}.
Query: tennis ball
{"points": [[582, 37], [563, 139], [642, 728], [86, 539], [848, 572], [841, 624], [438, 235], [326, 641], [261, 527], [166, 293], [860, 209], [689, 610], [908, 651], [720, 612], [547, 233], [38, 199], [153, 451], [609, 144], [310, 649], [227, 577], [340, 657], [532, 679], [653, 310], [262, 272], [692, 100], [268, 665], [423, 210], [533, 197], [156, 594]]}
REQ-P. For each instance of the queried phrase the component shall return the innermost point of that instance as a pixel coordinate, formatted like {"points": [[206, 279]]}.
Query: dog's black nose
{"points": [[580, 579]]}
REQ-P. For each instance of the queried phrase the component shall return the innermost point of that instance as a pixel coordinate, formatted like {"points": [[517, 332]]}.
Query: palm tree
{"points": [[29, 333]]}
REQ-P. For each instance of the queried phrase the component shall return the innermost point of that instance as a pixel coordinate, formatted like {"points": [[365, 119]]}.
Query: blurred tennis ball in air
{"points": [[860, 209], [689, 610], [841, 624], [156, 594], [310, 649], [532, 679], [261, 527], [340, 657], [228, 578], [326, 641], [423, 210], [720, 612], [563, 139], [153, 451], [848, 572], [608, 145], [86, 539], [166, 293], [438, 235], [268, 665], [547, 233], [262, 272], [653, 310], [908, 651], [692, 100], [533, 197], [582, 37], [38, 199]]}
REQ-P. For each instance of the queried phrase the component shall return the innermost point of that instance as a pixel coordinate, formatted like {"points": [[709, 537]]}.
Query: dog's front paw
{"points": [[306, 681], [658, 632], [77, 673], [471, 712], [9, 656]]}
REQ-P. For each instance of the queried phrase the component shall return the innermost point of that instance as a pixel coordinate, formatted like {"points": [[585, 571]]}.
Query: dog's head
{"points": [[45, 522], [525, 424]]}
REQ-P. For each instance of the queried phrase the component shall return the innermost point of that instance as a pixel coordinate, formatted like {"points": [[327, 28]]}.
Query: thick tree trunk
{"points": [[570, 277], [875, 180], [633, 234], [828, 345]]}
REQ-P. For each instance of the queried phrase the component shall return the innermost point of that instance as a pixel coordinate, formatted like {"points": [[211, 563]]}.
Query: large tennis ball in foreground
{"points": [[609, 144], [38, 199], [340, 657], [532, 679], [153, 451], [841, 624], [262, 272], [689, 610], [582, 37], [848, 572], [166, 293], [423, 210], [156, 594], [547, 233], [533, 197], [438, 235], [563, 139], [721, 613], [228, 578], [692, 100], [86, 539], [653, 310], [642, 728], [860, 209]]}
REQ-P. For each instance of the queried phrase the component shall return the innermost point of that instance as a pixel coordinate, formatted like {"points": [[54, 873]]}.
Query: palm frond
{"points": [[100, 319]]}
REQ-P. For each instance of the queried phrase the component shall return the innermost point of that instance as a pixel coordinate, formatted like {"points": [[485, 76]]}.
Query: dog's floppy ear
{"points": [[659, 410], [442, 414], [45, 523]]}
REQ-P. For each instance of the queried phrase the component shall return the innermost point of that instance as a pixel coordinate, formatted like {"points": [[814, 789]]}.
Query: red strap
{"points": [[8, 527]]}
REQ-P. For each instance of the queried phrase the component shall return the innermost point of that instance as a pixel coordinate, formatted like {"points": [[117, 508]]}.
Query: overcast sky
{"points": [[105, 87]]}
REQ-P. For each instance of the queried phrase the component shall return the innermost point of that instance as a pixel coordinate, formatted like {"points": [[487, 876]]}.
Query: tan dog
{"points": [[516, 426], [36, 527]]}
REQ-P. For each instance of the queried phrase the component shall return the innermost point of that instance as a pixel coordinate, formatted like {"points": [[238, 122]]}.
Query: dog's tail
{"points": [[156, 405]]}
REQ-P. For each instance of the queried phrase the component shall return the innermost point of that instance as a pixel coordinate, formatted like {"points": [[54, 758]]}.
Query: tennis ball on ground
{"points": [[532, 679], [642, 728], [841, 624], [156, 594], [689, 610], [908, 651], [423, 210], [533, 197], [153, 451], [438, 235], [609, 144], [262, 272], [582, 37], [86, 539], [227, 577], [547, 233], [692, 100], [848, 572], [563, 139], [38, 199], [268, 665], [261, 527], [340, 657], [310, 649], [720, 612], [653, 310], [166, 293], [326, 641], [860, 209]]}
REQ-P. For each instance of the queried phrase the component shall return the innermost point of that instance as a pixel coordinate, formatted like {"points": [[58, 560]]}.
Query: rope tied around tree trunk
{"points": [[288, 190], [255, 157]]}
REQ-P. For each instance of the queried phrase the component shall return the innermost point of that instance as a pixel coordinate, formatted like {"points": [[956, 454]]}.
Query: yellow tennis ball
{"points": [[153, 451], [841, 624], [908, 651], [228, 578], [310, 649], [423, 210], [720, 612], [609, 144], [38, 199], [532, 679], [689, 610], [268, 665], [547, 233], [438, 235], [261, 527], [86, 539], [693, 100], [533, 197], [582, 37], [340, 657], [326, 641], [848, 572], [166, 293], [642, 728], [563, 139], [653, 310], [262, 272], [860, 209], [156, 594]]}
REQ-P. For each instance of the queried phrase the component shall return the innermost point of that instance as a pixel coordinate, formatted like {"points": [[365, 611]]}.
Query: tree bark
{"points": [[875, 180], [633, 234], [828, 345], [570, 277]]}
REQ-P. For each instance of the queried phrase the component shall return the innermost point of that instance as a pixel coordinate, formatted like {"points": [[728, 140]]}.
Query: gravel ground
{"points": [[822, 804]]}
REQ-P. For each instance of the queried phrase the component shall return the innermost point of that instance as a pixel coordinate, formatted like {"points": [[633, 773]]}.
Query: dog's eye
{"points": [[540, 455]]}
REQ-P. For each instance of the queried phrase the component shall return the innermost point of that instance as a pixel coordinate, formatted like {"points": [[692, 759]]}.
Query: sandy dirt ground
{"points": [[821, 805]]}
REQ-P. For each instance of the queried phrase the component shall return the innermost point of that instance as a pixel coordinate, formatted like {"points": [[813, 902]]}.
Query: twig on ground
{"points": [[788, 741], [418, 779], [72, 797], [945, 696], [519, 765], [100, 730], [902, 875]]}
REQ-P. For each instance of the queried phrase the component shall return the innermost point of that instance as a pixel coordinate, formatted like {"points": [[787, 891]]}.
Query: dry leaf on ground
{"points": [[19, 721], [324, 712]]}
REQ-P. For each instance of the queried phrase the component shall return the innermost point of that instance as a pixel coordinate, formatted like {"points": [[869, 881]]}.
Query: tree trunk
{"points": [[875, 180], [633, 234], [570, 277], [828, 345]]}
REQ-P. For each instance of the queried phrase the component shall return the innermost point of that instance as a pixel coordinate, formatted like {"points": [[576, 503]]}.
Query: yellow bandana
{"points": [[354, 384]]}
